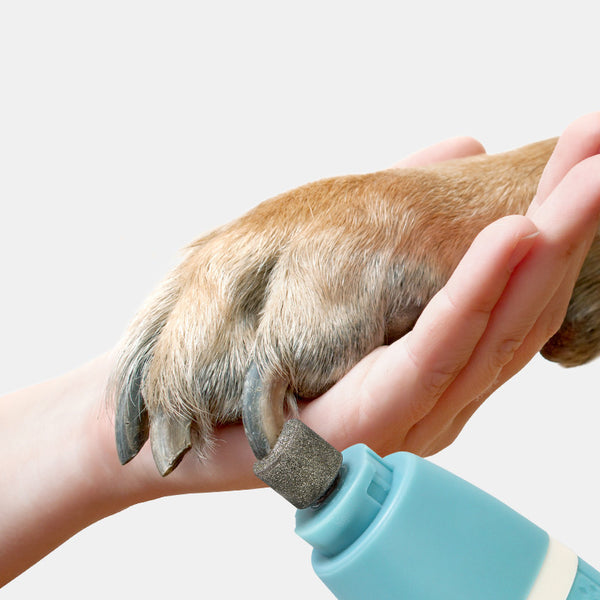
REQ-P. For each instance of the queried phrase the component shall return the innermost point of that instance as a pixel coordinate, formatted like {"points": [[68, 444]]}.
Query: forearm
{"points": [[56, 475]]}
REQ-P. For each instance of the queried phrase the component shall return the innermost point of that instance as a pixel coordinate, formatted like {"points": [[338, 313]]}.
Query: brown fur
{"points": [[309, 282]]}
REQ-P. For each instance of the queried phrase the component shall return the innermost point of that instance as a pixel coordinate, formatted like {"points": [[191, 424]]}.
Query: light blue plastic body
{"points": [[401, 527]]}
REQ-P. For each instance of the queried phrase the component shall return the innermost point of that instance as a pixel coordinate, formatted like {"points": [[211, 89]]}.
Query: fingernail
{"points": [[521, 249]]}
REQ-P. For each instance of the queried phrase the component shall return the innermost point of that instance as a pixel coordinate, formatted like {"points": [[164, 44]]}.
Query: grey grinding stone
{"points": [[301, 466]]}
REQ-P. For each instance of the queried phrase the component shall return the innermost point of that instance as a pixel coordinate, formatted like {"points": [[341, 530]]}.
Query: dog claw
{"points": [[263, 401], [170, 438], [131, 426]]}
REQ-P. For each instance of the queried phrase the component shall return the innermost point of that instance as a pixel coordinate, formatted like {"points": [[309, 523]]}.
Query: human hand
{"points": [[507, 297]]}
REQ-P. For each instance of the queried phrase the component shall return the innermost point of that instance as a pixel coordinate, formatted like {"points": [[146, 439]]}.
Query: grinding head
{"points": [[301, 466]]}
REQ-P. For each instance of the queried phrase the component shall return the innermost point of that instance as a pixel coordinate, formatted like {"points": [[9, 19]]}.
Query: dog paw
{"points": [[578, 339], [303, 286]]}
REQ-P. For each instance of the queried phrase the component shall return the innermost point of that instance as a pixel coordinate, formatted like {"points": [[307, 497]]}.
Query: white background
{"points": [[129, 128]]}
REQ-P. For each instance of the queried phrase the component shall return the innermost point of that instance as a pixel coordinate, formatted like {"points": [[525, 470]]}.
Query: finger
{"points": [[540, 289], [545, 327], [451, 326], [453, 428], [579, 141], [533, 304], [405, 380], [459, 147]]}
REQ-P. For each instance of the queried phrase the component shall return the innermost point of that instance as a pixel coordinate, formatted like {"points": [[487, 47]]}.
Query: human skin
{"points": [[509, 294]]}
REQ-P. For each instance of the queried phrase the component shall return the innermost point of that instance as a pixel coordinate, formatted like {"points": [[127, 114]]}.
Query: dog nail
{"points": [[131, 426], [170, 438], [263, 400]]}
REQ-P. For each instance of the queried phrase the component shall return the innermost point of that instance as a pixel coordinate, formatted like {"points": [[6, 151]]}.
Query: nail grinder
{"points": [[402, 527]]}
